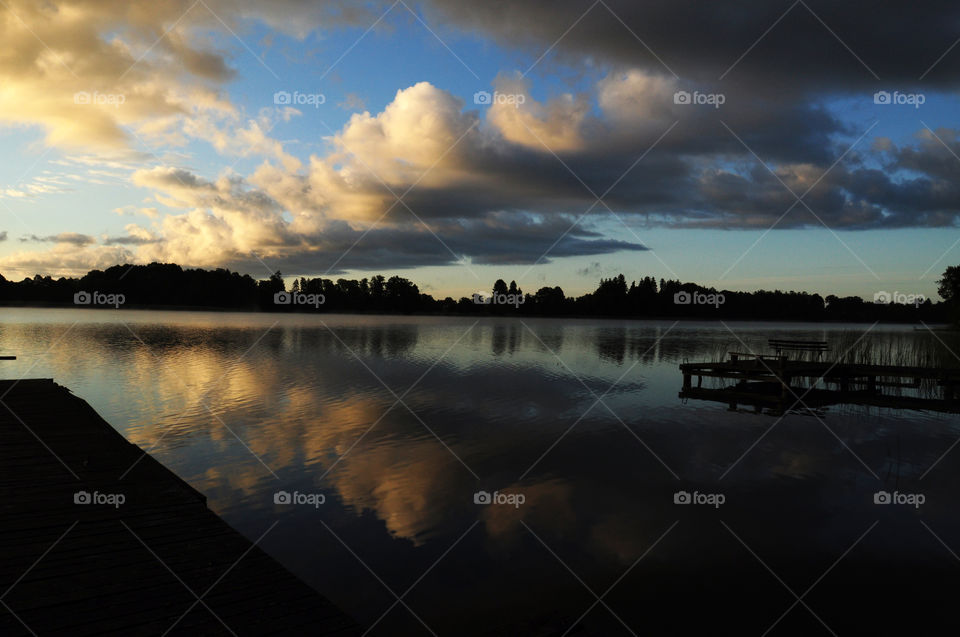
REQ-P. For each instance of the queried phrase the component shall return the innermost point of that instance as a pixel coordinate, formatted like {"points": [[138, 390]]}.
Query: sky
{"points": [[768, 145]]}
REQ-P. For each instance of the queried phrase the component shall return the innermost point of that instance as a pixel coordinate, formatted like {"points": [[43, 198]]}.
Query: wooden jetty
{"points": [[774, 380], [784, 371], [137, 568]]}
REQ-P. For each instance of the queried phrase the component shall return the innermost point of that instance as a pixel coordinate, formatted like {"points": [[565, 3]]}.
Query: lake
{"points": [[520, 476]]}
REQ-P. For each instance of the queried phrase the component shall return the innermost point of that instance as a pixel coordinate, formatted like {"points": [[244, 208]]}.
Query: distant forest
{"points": [[169, 286]]}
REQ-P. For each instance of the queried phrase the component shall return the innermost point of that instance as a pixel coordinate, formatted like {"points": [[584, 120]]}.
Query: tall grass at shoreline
{"points": [[933, 350]]}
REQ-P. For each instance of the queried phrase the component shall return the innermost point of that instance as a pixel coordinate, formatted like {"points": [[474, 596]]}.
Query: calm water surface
{"points": [[399, 421]]}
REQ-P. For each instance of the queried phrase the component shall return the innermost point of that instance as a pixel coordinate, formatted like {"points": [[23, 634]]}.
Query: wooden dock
{"points": [[846, 376], [134, 568]]}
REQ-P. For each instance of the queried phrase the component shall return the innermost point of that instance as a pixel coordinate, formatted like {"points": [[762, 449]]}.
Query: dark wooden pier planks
{"points": [[784, 370], [72, 569]]}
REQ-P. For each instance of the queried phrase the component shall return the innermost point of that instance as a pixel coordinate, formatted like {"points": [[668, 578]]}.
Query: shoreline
{"points": [[940, 326]]}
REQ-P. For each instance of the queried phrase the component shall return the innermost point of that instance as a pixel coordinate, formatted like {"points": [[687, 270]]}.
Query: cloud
{"points": [[331, 213], [150, 212], [135, 236], [555, 125], [432, 180], [470, 193], [30, 189], [415, 132], [65, 259], [352, 102], [71, 238], [233, 136], [811, 46], [240, 224], [593, 270], [99, 74]]}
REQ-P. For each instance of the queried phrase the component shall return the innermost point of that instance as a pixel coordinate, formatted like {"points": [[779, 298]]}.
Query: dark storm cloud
{"points": [[793, 45], [494, 240], [533, 179], [935, 153], [776, 63], [718, 183], [689, 166]]}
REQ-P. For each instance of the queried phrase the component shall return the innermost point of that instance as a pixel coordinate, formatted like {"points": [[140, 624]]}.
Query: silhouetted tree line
{"points": [[169, 285]]}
